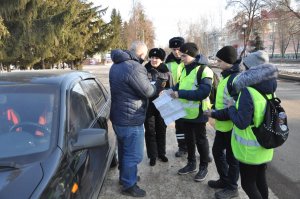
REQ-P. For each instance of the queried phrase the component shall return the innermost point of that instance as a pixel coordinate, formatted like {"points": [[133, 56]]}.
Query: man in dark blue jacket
{"points": [[130, 89]]}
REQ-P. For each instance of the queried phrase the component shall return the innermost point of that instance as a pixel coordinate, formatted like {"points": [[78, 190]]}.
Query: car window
{"points": [[95, 94], [28, 119], [80, 111]]}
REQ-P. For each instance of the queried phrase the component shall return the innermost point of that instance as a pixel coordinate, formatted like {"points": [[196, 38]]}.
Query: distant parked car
{"points": [[54, 135]]}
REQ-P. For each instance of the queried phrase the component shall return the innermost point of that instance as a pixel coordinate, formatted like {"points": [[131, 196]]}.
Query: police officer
{"points": [[155, 127], [193, 89], [175, 66]]}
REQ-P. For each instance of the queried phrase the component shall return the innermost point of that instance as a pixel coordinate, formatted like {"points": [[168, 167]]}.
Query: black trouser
{"points": [[155, 133], [227, 165], [253, 180], [179, 130], [195, 133]]}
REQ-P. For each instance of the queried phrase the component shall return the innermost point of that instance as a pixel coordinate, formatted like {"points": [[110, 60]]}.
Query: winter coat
{"points": [[130, 89], [162, 74], [264, 77]]}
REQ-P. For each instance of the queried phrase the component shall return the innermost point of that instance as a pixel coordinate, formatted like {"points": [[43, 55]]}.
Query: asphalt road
{"points": [[283, 172]]}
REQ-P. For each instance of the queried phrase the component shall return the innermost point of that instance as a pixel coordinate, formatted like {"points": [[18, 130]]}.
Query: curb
{"points": [[289, 77], [281, 75]]}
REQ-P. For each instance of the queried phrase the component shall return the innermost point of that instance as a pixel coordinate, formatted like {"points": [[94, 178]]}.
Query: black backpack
{"points": [[215, 83], [273, 131]]}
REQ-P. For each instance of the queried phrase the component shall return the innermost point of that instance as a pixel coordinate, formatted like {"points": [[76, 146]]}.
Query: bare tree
{"points": [[139, 27], [251, 10], [197, 33], [287, 5], [287, 28], [296, 44], [289, 20]]}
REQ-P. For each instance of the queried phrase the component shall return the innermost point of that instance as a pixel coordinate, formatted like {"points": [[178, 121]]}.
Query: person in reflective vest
{"points": [[227, 165], [175, 66], [249, 112], [193, 90]]}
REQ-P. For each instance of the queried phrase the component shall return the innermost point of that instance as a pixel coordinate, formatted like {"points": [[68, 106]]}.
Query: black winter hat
{"points": [[227, 54], [176, 42], [157, 52], [190, 49]]}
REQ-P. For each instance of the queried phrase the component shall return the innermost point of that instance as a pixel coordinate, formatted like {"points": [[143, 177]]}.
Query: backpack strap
{"points": [[200, 72], [230, 83]]}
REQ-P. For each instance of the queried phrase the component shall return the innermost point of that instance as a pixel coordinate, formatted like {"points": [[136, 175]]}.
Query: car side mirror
{"points": [[89, 138]]}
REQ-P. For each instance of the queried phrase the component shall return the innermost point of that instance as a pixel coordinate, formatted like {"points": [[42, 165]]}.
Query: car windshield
{"points": [[27, 120]]}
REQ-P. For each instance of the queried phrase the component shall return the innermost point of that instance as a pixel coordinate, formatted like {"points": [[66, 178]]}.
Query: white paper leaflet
{"points": [[170, 109]]}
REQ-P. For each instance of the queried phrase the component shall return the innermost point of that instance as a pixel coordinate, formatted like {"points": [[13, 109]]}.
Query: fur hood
{"points": [[255, 76]]}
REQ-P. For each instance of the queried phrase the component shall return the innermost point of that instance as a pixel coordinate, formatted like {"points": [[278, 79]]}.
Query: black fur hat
{"points": [[157, 52], [190, 49], [176, 42], [227, 54]]}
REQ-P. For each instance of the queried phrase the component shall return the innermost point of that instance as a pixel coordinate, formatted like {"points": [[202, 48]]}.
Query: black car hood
{"points": [[20, 182]]}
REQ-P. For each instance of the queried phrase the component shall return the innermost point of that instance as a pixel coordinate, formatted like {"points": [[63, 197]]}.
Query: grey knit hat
{"points": [[256, 58]]}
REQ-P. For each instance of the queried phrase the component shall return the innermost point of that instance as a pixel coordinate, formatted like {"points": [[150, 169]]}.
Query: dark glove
{"points": [[160, 85]]}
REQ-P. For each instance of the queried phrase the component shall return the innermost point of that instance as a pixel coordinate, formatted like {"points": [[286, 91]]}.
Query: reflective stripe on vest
{"points": [[189, 82], [223, 99], [244, 141], [245, 147]]}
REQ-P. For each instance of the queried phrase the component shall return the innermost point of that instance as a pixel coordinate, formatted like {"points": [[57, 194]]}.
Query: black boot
{"points": [[152, 161], [163, 158]]}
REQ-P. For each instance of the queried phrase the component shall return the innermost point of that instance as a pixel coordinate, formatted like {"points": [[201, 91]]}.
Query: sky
{"points": [[167, 14]]}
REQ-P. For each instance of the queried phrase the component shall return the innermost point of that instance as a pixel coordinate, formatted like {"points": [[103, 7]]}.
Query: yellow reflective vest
{"points": [[189, 82], [222, 100], [244, 145], [175, 70]]}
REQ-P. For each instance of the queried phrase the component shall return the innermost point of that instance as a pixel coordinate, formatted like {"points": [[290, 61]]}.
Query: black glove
{"points": [[160, 85]]}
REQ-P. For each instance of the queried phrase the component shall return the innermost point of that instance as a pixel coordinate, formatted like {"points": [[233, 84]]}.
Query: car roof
{"points": [[43, 77]]}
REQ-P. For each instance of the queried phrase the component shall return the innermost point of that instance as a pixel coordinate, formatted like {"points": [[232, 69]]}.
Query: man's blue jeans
{"points": [[130, 152]]}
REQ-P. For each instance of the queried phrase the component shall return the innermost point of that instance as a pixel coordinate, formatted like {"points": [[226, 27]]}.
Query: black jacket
{"points": [[161, 76]]}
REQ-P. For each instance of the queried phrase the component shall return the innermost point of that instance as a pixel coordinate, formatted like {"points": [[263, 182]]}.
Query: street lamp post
{"points": [[244, 26]]}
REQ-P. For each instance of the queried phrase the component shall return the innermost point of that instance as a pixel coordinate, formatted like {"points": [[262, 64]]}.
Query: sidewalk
{"points": [[162, 180], [288, 71]]}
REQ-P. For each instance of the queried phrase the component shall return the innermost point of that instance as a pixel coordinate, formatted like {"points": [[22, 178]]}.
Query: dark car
{"points": [[54, 135]]}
